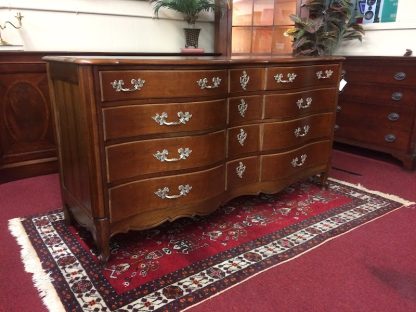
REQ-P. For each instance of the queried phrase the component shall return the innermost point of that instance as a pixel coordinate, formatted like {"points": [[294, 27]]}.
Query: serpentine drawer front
{"points": [[121, 85], [166, 192], [299, 103], [145, 141], [138, 120], [143, 157], [286, 134], [279, 78], [244, 109]]}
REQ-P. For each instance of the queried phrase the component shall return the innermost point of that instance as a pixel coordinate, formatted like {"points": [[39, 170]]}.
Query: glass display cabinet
{"points": [[256, 27]]}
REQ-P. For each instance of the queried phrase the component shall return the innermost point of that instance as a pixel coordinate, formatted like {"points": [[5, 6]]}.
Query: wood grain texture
{"points": [[377, 108], [137, 120], [290, 105], [27, 144], [112, 180]]}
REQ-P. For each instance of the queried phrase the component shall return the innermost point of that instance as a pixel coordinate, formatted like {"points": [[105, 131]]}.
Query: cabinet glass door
{"points": [[258, 26]]}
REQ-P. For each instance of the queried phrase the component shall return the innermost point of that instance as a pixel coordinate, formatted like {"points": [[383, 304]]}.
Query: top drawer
{"points": [[246, 79], [138, 84], [380, 72], [280, 78]]}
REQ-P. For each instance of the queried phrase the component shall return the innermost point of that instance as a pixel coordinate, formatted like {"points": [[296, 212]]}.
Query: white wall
{"points": [[129, 26], [387, 38], [98, 25]]}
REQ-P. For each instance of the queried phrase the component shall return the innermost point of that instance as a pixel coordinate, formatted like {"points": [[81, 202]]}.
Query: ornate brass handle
{"points": [[203, 83], [328, 74], [290, 78], [240, 169], [183, 191], [393, 116], [161, 119], [296, 163], [301, 105], [163, 155], [390, 138], [244, 79], [242, 107], [298, 131], [137, 85], [241, 137], [400, 76]]}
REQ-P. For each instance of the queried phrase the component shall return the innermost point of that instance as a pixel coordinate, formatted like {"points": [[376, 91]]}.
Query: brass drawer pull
{"points": [[298, 131], [240, 169], [161, 119], [390, 138], [203, 83], [244, 79], [290, 78], [163, 155], [328, 74], [399, 76], [296, 163], [397, 96], [393, 116], [137, 85], [183, 191], [241, 137], [300, 104], [242, 108]]}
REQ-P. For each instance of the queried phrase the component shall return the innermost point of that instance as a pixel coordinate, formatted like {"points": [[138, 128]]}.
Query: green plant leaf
{"points": [[328, 24]]}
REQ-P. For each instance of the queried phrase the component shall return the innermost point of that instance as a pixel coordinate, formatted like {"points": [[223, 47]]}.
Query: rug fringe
{"points": [[396, 198], [32, 264]]}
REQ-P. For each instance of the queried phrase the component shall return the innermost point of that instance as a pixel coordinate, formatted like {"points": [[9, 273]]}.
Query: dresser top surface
{"points": [[186, 60]]}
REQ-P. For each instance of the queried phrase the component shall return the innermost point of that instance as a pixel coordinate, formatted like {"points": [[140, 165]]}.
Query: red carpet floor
{"points": [[372, 268]]}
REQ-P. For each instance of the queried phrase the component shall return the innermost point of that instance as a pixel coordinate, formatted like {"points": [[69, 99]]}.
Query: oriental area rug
{"points": [[182, 263]]}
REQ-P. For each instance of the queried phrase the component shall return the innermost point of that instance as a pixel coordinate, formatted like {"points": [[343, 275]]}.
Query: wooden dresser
{"points": [[27, 142], [377, 109], [143, 141]]}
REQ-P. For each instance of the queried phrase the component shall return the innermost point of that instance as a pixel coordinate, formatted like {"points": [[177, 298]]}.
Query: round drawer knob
{"points": [[397, 96], [400, 76], [339, 108], [390, 138], [336, 127], [393, 116]]}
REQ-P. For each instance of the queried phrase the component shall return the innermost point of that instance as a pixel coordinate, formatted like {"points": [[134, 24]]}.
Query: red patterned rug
{"points": [[182, 263]]}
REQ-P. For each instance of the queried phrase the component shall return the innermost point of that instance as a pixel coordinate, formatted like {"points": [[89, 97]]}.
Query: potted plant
{"points": [[190, 10], [329, 23]]}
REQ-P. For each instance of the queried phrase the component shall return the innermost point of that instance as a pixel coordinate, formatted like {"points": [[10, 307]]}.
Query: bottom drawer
{"points": [[398, 140], [242, 172], [282, 165], [172, 191]]}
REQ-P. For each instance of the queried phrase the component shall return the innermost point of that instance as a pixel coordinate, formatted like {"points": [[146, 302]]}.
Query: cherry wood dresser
{"points": [[377, 109], [27, 141], [146, 140]]}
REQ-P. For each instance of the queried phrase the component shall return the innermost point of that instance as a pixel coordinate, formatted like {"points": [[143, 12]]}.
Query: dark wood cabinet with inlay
{"points": [[144, 141], [377, 108], [27, 144]]}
